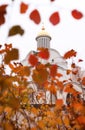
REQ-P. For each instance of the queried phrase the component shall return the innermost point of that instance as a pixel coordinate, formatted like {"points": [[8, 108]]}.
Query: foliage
{"points": [[18, 112]]}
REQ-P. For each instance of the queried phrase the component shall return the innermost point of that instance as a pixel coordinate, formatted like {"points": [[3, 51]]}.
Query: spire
{"points": [[43, 38]]}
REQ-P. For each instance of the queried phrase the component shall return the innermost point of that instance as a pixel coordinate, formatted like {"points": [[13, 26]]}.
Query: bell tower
{"points": [[43, 39]]}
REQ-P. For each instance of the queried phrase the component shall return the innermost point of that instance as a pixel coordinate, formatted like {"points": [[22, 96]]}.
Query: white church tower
{"points": [[43, 39]]}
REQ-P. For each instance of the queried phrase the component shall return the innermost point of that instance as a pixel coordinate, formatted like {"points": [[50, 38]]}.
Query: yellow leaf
{"points": [[66, 121]]}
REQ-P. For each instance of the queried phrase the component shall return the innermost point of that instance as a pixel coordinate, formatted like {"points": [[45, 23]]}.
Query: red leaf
{"points": [[77, 14], [55, 18], [69, 54], [23, 7], [35, 16], [80, 60], [52, 0], [59, 103], [33, 60], [2, 13], [44, 54], [53, 70]]}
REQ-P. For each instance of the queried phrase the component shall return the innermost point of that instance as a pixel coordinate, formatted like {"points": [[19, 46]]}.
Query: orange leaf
{"points": [[53, 89], [83, 81], [40, 76], [33, 60], [59, 103], [11, 55], [60, 85], [69, 89], [8, 126], [53, 70], [23, 7], [59, 75], [70, 54], [2, 13], [68, 72], [81, 120], [44, 54], [78, 107]]}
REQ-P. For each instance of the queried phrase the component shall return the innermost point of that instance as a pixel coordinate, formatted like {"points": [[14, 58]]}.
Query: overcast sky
{"points": [[68, 34]]}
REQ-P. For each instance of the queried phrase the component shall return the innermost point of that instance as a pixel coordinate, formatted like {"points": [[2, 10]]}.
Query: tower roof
{"points": [[42, 33]]}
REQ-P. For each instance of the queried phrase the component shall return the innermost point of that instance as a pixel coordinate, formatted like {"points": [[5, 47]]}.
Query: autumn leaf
{"points": [[53, 70], [81, 120], [40, 66], [2, 13], [23, 7], [44, 54], [70, 54], [11, 55], [35, 16], [40, 76], [1, 109], [33, 60], [83, 81], [14, 30], [24, 71], [54, 18], [68, 72], [76, 14], [78, 107], [14, 103], [33, 128], [66, 121], [59, 75], [60, 85], [69, 88], [52, 0], [8, 126], [80, 60], [8, 47], [59, 103], [52, 89]]}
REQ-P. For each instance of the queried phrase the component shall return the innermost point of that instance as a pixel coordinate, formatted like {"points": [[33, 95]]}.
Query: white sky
{"points": [[68, 34]]}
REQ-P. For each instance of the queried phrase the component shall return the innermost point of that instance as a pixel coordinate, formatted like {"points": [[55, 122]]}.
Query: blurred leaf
{"points": [[33, 60], [8, 126], [70, 54], [53, 70], [83, 81], [35, 16], [55, 18], [16, 30], [2, 13], [81, 120], [11, 55], [76, 14], [23, 7], [44, 54], [24, 71], [40, 76], [14, 103], [59, 103]]}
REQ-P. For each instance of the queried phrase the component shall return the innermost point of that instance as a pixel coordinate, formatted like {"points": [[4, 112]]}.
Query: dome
{"points": [[42, 33]]}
